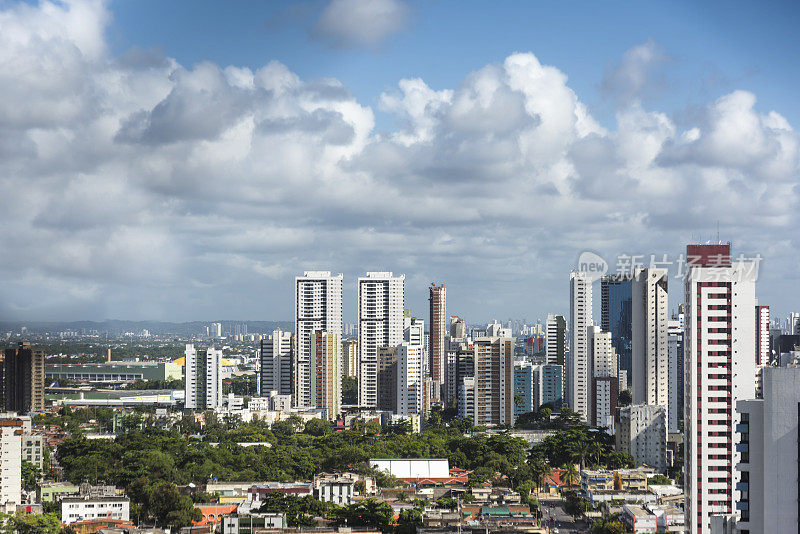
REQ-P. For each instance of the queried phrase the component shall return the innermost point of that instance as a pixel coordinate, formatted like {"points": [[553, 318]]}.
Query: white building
{"points": [[410, 370], [494, 380], [380, 324], [79, 508], [276, 363], [604, 383], [676, 372], [318, 306], [580, 318], [650, 357], [555, 339], [720, 332], [762, 335], [466, 397], [11, 432], [203, 378], [641, 431], [767, 442]]}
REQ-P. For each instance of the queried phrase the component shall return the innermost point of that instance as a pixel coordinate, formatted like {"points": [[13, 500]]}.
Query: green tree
{"points": [[30, 476], [349, 390], [659, 480], [570, 476], [624, 398], [480, 475], [318, 427], [22, 523], [608, 525], [408, 521], [367, 513], [574, 505]]}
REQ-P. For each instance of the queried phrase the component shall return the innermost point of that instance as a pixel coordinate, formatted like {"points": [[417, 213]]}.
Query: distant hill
{"points": [[117, 327]]}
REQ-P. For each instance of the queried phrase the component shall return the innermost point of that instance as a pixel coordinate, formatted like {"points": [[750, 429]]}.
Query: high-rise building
{"points": [[603, 366], [641, 431], [719, 345], [762, 335], [676, 372], [650, 359], [202, 378], [276, 363], [350, 359], [325, 367], [556, 339], [11, 434], [458, 327], [318, 307], [438, 330], [580, 316], [466, 398], [380, 324], [494, 380], [387, 378], [767, 473], [551, 384], [23, 384], [410, 378], [525, 386], [616, 316]]}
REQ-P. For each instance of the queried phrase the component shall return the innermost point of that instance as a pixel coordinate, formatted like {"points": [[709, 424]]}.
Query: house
{"points": [[213, 512], [596, 480], [639, 519], [92, 507]]}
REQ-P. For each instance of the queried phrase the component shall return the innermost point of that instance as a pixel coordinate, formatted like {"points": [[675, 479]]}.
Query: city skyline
{"points": [[166, 178]]}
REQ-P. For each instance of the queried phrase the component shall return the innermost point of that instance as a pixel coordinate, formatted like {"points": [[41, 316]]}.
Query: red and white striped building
{"points": [[720, 369]]}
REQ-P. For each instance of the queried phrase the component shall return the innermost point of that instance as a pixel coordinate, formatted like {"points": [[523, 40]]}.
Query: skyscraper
{"points": [[325, 368], [380, 324], [276, 363], [555, 340], [616, 316], [438, 330], [762, 335], [318, 307], [494, 380], [202, 379], [676, 372], [580, 316], [650, 358], [719, 345], [387, 378], [23, 384], [604, 384], [409, 378]]}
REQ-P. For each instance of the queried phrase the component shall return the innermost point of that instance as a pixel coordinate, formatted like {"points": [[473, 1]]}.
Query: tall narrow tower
{"points": [[650, 357], [318, 307], [720, 341], [438, 326], [380, 324], [580, 316]]}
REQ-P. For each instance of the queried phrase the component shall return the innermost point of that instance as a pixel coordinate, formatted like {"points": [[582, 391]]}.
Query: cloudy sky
{"points": [[185, 160]]}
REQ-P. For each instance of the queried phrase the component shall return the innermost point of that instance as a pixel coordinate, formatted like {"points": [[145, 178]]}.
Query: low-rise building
{"points": [[596, 480], [340, 488], [251, 523], [113, 371], [80, 508], [54, 491], [668, 518], [631, 479], [638, 519]]}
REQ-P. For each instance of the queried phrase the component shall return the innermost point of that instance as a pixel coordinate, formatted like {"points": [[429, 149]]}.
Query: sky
{"points": [[185, 160]]}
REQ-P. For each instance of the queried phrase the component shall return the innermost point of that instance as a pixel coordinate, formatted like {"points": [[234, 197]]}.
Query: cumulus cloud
{"points": [[135, 186], [636, 74], [360, 23]]}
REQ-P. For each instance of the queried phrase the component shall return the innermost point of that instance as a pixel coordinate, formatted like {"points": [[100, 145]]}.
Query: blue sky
{"points": [[185, 160], [709, 47]]}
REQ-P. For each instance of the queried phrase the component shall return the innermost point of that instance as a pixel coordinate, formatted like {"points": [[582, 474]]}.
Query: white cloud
{"points": [[358, 23], [134, 186]]}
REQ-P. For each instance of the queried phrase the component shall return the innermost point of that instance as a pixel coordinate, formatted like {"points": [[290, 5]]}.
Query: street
{"points": [[552, 507]]}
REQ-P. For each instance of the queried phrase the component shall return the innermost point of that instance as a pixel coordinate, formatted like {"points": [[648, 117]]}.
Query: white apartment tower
{"points": [[719, 345], [762, 335], [650, 354], [641, 431], [203, 378], [318, 307], [494, 380], [767, 437], [380, 324], [409, 378], [603, 365], [276, 363], [580, 317], [11, 432]]}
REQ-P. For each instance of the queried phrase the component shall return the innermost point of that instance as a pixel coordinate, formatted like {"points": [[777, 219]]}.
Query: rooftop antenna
{"points": [[718, 241]]}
